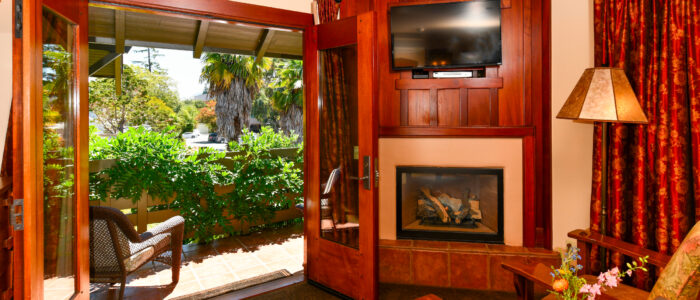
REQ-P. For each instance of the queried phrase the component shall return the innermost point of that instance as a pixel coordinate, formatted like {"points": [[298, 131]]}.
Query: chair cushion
{"points": [[681, 277], [137, 259]]}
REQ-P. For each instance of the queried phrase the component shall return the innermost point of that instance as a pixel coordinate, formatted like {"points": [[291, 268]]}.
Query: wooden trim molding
{"points": [[218, 9], [456, 132], [470, 83]]}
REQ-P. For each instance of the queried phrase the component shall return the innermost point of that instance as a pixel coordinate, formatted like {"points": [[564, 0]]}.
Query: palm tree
{"points": [[286, 92], [233, 80]]}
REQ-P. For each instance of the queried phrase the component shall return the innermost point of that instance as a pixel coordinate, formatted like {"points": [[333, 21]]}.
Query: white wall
{"points": [[572, 143], [296, 5], [5, 69]]}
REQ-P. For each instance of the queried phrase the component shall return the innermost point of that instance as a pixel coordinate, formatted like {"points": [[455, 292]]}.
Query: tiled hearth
{"points": [[454, 264]]}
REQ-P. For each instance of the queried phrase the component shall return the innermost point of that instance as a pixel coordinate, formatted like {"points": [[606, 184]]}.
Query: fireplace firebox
{"points": [[452, 204]]}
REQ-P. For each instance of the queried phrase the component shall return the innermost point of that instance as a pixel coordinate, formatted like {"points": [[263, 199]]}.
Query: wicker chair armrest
{"points": [[157, 242], [174, 223]]}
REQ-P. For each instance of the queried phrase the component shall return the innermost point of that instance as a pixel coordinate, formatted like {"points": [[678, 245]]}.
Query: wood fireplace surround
{"points": [[512, 101]]}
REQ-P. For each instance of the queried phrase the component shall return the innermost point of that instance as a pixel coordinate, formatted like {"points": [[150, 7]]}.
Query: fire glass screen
{"points": [[447, 35], [455, 204]]}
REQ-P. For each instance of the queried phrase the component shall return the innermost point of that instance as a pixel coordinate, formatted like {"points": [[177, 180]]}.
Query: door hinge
{"points": [[18, 19], [17, 214], [376, 172]]}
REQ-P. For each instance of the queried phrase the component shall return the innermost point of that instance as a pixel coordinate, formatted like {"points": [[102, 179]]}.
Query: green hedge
{"points": [[164, 167]]}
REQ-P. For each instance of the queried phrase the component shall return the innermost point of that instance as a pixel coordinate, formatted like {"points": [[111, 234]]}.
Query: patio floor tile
{"points": [[208, 266]]}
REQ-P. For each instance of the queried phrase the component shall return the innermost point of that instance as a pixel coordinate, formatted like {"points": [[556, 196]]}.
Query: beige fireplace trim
{"points": [[503, 153]]}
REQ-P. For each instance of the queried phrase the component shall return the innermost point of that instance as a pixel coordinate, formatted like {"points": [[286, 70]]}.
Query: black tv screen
{"points": [[446, 35]]}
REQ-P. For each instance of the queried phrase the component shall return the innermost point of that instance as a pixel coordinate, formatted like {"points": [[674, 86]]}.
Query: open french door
{"points": [[51, 158], [341, 150]]}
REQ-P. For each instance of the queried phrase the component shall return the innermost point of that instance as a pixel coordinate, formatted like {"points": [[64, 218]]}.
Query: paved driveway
{"points": [[201, 141]]}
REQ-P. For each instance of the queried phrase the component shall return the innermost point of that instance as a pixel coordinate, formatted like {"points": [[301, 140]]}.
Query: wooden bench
{"points": [[527, 275]]}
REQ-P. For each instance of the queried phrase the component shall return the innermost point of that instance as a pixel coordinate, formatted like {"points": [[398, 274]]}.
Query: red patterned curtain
{"points": [[653, 170], [327, 10]]}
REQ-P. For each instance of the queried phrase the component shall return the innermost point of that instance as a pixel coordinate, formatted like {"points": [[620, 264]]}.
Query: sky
{"points": [[179, 65]]}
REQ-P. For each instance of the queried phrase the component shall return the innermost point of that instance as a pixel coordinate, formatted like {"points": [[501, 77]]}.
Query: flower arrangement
{"points": [[567, 285]]}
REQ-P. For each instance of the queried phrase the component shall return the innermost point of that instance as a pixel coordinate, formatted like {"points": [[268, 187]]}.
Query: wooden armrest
{"points": [[631, 250]]}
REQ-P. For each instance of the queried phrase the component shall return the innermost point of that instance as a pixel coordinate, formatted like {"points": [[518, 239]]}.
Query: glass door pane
{"points": [[60, 102], [339, 148]]}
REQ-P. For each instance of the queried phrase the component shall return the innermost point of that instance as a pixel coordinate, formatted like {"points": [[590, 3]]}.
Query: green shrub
{"points": [[161, 165], [264, 182], [266, 140]]}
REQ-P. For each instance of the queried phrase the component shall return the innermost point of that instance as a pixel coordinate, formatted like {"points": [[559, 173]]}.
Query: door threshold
{"points": [[263, 288]]}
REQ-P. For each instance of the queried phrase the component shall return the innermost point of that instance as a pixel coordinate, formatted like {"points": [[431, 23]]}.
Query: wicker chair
{"points": [[116, 249]]}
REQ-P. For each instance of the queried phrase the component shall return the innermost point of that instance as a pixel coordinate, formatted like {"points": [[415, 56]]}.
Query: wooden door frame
{"points": [[347, 31], [223, 10], [27, 126], [28, 273]]}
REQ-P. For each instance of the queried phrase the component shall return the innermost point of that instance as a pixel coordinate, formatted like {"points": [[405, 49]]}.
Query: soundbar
{"points": [[453, 74]]}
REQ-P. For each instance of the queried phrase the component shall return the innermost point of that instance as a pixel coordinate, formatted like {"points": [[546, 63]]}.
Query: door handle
{"points": [[366, 183]]}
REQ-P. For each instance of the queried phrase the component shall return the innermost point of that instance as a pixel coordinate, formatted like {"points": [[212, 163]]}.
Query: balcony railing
{"points": [[148, 210]]}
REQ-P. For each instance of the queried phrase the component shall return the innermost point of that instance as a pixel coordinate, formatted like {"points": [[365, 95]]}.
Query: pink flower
{"points": [[611, 281], [629, 272], [584, 289], [594, 290], [601, 278], [610, 277]]}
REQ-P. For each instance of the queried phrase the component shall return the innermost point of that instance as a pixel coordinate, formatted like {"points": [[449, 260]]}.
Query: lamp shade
{"points": [[603, 95]]}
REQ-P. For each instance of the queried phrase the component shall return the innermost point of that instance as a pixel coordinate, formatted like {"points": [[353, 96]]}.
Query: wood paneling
{"points": [[418, 104], [479, 108], [493, 132], [515, 94], [448, 103], [5, 237]]}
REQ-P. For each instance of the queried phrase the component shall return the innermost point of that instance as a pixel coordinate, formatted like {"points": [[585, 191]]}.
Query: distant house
{"points": [[202, 97]]}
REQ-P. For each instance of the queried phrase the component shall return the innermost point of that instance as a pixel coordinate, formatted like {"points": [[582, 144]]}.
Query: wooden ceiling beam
{"points": [[201, 37], [119, 30], [263, 44], [106, 60], [119, 38]]}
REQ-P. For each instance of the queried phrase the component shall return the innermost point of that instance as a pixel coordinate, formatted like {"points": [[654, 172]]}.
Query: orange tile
{"points": [[430, 268], [253, 241], [394, 266], [398, 243], [252, 272], [271, 253], [501, 279], [430, 244], [217, 281], [461, 246], [506, 249], [469, 271], [185, 288]]}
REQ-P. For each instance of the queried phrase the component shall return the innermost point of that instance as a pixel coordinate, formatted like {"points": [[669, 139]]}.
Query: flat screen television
{"points": [[446, 35]]}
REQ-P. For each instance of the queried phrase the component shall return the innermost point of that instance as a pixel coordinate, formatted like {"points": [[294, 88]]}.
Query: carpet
{"points": [[303, 291], [235, 286]]}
